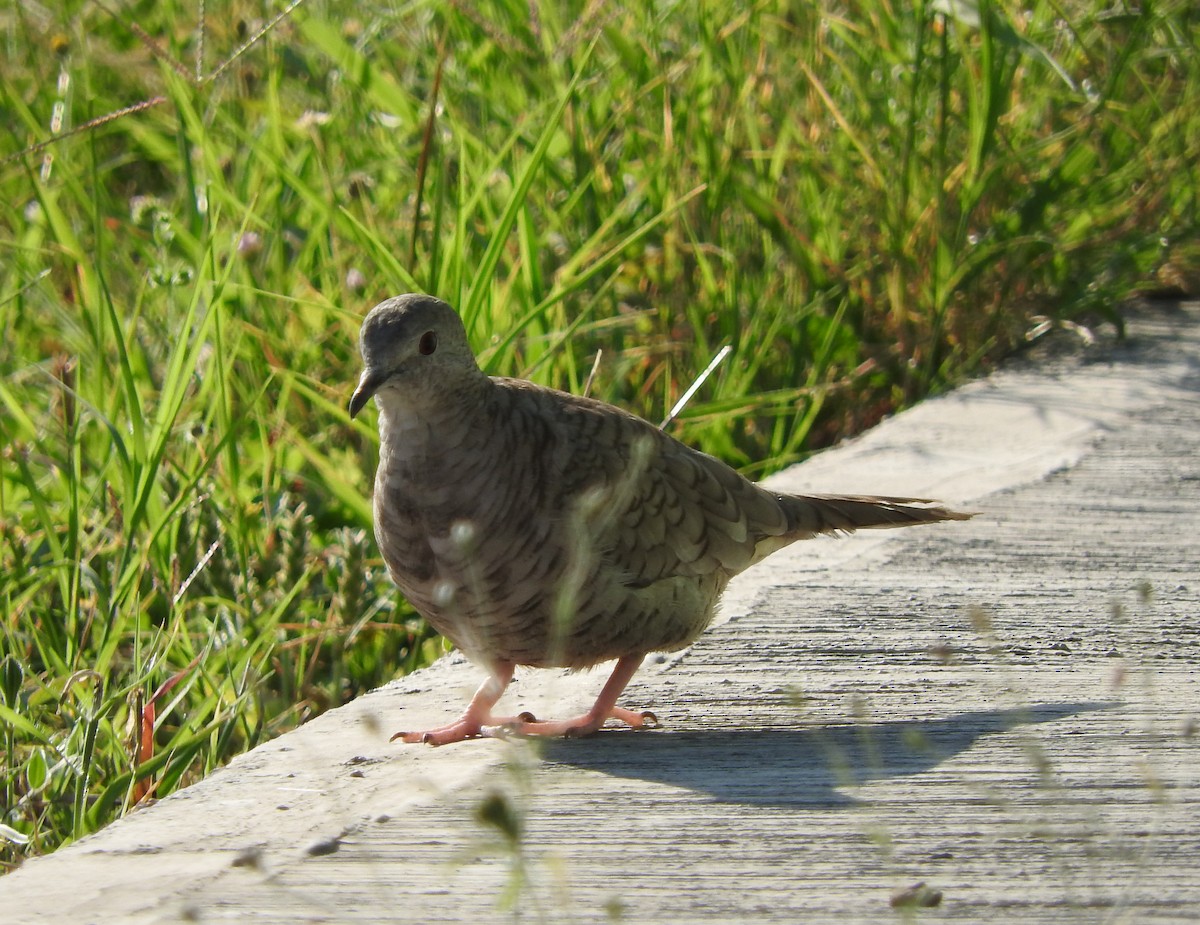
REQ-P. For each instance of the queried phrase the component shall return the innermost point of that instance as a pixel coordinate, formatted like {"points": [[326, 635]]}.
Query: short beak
{"points": [[368, 385]]}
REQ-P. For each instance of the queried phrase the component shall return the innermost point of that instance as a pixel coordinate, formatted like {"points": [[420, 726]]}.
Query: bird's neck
{"points": [[418, 432]]}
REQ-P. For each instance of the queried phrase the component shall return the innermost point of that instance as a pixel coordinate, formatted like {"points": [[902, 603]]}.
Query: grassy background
{"points": [[866, 202]]}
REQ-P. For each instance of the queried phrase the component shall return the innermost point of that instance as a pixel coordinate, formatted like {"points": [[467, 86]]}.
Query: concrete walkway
{"points": [[1005, 710]]}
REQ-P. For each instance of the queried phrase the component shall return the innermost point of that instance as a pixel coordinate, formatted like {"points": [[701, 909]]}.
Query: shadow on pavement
{"points": [[807, 766]]}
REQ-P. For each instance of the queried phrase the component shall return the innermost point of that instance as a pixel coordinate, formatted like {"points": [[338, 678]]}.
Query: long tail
{"points": [[809, 515]]}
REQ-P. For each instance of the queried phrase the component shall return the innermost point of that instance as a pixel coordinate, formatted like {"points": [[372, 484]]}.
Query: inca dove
{"points": [[532, 527]]}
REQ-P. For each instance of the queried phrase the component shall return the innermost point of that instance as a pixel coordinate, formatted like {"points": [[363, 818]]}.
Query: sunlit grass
{"points": [[866, 202]]}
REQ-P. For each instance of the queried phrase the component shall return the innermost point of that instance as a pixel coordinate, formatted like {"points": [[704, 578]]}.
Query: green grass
{"points": [[866, 202]]}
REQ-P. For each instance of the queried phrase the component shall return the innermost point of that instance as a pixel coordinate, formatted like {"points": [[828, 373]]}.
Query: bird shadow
{"points": [[808, 766]]}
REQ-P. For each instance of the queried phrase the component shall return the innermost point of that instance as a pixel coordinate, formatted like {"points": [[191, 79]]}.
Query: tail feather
{"points": [[809, 515]]}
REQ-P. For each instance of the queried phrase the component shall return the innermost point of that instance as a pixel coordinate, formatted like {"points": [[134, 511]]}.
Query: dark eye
{"points": [[427, 344]]}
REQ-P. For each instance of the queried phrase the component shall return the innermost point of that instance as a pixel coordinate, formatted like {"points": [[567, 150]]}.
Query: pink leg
{"points": [[479, 713], [604, 707], [478, 720]]}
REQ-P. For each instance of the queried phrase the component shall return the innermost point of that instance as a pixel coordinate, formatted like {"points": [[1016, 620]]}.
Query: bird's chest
{"points": [[421, 502], [449, 511]]}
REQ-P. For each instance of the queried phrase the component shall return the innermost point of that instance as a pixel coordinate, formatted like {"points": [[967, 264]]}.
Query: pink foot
{"points": [[478, 720], [466, 727], [576, 727]]}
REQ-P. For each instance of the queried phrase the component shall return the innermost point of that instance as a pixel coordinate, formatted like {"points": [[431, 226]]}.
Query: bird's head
{"points": [[413, 344]]}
